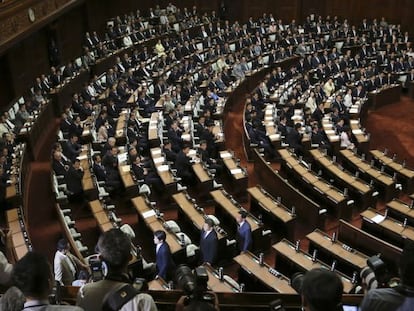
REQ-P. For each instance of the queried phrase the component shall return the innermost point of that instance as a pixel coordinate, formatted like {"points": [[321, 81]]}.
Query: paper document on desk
{"points": [[378, 219], [225, 155], [148, 214], [122, 157], [236, 171]]}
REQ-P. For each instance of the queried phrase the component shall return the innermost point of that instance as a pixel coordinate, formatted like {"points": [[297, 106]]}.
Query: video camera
{"points": [[194, 285]]}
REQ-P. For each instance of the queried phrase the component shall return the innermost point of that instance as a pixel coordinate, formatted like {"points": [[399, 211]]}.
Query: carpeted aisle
{"points": [[392, 127]]}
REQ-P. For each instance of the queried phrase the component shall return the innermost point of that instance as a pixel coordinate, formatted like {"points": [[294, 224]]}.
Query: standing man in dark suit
{"points": [[208, 242], [164, 263], [244, 232]]}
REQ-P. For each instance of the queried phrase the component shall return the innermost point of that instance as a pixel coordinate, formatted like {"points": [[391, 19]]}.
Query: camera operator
{"points": [[115, 291], [197, 296], [33, 277], [399, 298], [321, 290]]}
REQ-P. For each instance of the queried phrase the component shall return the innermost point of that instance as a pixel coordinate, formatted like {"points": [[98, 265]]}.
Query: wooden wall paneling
{"points": [[6, 87], [70, 30], [27, 60], [317, 7]]}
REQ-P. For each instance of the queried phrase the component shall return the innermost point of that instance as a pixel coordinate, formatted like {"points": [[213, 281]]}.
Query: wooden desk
{"points": [[400, 210], [310, 214], [128, 180], [358, 189], [319, 240], [320, 189], [285, 251], [369, 244], [263, 202], [404, 175], [154, 223], [388, 229], [16, 237], [385, 96], [229, 212], [163, 170], [250, 264], [370, 173], [238, 176], [217, 285], [100, 216]]}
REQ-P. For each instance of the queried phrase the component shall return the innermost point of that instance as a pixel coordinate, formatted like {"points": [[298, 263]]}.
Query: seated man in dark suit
{"points": [[59, 165], [208, 242], [294, 139], [244, 232], [74, 181], [72, 148], [164, 262], [184, 166], [98, 168], [205, 157], [170, 155]]}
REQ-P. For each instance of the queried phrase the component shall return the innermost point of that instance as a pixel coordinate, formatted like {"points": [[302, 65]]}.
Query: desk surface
{"points": [[389, 224], [305, 261], [248, 262], [232, 209], [354, 258], [401, 207], [270, 205], [154, 223]]}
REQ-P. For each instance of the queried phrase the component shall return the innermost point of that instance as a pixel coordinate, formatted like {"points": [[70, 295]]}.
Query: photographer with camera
{"points": [[115, 291], [321, 290], [32, 275], [400, 297], [194, 284]]}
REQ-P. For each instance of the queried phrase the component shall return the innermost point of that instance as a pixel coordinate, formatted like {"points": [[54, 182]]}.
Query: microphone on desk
{"points": [[345, 192], [405, 222], [394, 157], [315, 252], [403, 164], [241, 287], [354, 277], [261, 259], [333, 265], [293, 212], [333, 239], [221, 273], [412, 204], [297, 246], [386, 213]]}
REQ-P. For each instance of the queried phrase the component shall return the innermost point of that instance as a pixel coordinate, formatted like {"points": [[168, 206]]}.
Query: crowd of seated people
{"points": [[370, 59]]}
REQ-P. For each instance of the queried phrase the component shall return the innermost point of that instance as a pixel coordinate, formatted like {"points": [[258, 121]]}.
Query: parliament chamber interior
{"points": [[191, 117]]}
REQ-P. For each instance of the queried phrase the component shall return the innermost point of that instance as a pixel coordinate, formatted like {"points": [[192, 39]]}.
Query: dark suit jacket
{"points": [[164, 262], [74, 180], [244, 237], [99, 172], [208, 247]]}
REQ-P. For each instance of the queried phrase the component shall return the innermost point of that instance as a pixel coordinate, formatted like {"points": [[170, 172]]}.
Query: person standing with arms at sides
{"points": [[65, 264], [164, 263], [244, 232], [208, 242]]}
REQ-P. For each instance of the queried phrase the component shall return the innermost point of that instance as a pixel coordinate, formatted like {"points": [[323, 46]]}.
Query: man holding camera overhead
{"points": [[115, 291]]}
